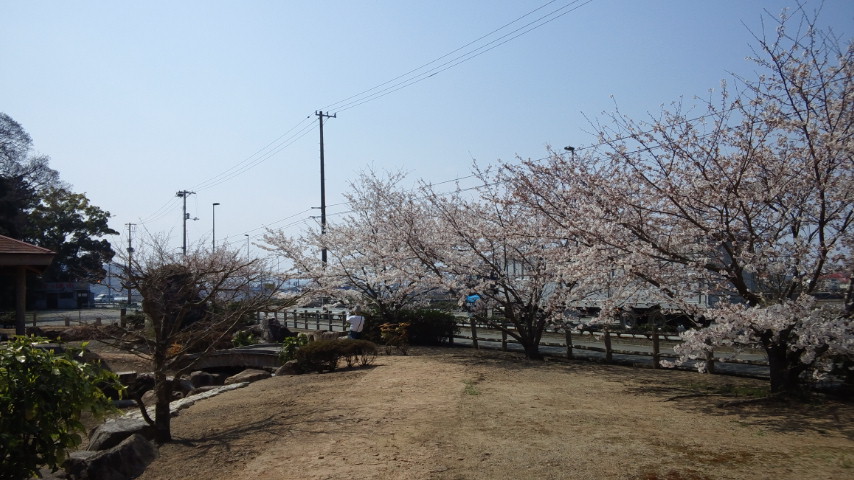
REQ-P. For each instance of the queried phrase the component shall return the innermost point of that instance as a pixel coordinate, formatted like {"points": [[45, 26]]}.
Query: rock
{"points": [[199, 390], [141, 384], [113, 432], [248, 375], [183, 386], [201, 378], [125, 461], [276, 332], [289, 368], [127, 377]]}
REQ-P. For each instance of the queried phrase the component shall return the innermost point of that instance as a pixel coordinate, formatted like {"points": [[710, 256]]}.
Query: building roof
{"points": [[10, 245], [17, 253]]}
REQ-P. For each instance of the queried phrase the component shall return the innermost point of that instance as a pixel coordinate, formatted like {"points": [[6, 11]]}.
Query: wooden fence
{"points": [[469, 328]]}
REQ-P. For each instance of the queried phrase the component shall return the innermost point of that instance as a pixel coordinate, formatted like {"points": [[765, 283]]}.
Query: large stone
{"points": [[184, 386], [201, 378], [114, 431], [248, 375], [125, 461], [291, 367], [141, 384]]}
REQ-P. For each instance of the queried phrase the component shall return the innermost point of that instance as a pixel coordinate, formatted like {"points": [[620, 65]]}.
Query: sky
{"points": [[136, 101]]}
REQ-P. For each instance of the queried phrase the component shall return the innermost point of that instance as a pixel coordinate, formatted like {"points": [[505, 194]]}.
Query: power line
{"points": [[358, 100], [300, 130], [282, 142], [347, 100]]}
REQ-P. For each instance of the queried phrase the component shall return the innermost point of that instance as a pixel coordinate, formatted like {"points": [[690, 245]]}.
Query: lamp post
{"points": [[213, 230]]}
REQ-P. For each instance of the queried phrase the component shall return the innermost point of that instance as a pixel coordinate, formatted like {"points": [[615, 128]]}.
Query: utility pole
{"points": [[321, 116], [213, 230], [183, 194], [130, 259]]}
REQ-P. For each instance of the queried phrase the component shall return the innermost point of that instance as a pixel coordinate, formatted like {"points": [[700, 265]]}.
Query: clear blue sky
{"points": [[134, 101]]}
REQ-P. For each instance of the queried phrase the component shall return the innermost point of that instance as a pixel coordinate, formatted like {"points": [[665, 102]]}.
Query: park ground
{"points": [[458, 413]]}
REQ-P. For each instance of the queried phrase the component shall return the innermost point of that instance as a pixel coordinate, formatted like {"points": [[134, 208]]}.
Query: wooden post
{"points": [[123, 317], [305, 320], [568, 333], [710, 358], [503, 341], [21, 301], [473, 333], [656, 350], [317, 320], [608, 353], [329, 319]]}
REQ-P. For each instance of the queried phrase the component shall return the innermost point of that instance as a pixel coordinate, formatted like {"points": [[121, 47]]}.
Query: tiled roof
{"points": [[12, 246]]}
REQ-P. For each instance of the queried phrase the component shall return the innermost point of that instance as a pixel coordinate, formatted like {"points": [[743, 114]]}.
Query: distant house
{"points": [[17, 259]]}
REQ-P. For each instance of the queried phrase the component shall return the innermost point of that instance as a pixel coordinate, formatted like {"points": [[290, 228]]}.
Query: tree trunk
{"points": [[532, 349], [162, 425], [785, 370]]}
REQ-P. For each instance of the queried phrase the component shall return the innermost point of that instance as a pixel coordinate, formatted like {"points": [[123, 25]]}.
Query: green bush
{"points": [[243, 338], [324, 355], [290, 345], [42, 395]]}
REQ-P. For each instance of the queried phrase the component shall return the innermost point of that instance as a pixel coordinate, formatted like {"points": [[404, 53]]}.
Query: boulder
{"points": [[248, 375], [291, 367], [115, 431], [201, 378], [141, 384], [184, 386], [276, 332], [124, 461]]}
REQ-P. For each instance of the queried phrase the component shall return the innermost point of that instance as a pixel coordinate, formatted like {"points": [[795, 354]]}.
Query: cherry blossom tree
{"points": [[751, 200], [493, 247], [367, 260]]}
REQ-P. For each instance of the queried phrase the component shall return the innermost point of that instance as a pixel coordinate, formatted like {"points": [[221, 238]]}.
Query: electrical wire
{"points": [[337, 104], [265, 153], [463, 58]]}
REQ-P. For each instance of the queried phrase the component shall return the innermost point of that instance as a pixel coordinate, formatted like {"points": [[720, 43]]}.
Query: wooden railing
{"points": [[607, 342]]}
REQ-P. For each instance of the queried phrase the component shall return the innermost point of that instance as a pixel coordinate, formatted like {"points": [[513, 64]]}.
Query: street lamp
{"points": [[213, 234]]}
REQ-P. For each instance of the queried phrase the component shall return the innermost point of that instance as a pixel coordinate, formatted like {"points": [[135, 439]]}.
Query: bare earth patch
{"points": [[463, 414]]}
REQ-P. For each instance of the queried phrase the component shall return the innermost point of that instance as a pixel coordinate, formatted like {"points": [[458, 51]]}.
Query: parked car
{"points": [[109, 298]]}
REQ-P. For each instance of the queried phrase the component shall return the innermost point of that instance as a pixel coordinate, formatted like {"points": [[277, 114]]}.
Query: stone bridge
{"points": [[262, 358]]}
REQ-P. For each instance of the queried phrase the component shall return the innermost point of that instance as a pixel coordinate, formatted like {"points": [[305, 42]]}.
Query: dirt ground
{"points": [[458, 413]]}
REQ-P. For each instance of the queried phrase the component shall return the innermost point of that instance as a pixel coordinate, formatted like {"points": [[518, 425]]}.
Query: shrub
{"points": [[426, 327], [395, 335], [42, 395], [324, 355], [135, 321], [244, 338], [290, 345], [358, 352]]}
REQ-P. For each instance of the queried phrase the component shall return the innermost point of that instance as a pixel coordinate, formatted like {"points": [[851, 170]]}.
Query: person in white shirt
{"points": [[357, 322]]}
